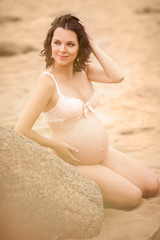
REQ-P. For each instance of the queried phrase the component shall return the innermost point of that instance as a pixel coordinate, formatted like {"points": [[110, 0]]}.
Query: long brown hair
{"points": [[72, 23]]}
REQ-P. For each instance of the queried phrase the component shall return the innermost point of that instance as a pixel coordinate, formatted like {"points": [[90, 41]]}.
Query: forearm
{"points": [[63, 149], [110, 67], [33, 135]]}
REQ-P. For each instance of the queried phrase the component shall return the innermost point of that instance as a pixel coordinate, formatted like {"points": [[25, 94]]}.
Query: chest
{"points": [[82, 91]]}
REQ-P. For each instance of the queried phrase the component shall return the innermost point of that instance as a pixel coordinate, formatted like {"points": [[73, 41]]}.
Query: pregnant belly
{"points": [[89, 137]]}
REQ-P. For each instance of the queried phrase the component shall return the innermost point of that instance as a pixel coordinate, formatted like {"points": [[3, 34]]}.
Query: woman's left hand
{"points": [[86, 30]]}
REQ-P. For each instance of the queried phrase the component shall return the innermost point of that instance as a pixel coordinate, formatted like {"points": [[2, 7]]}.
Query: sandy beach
{"points": [[127, 30]]}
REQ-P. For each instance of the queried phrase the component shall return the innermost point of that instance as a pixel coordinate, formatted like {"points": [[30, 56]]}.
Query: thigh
{"points": [[132, 170], [116, 190]]}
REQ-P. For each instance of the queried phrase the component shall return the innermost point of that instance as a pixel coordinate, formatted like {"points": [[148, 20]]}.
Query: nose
{"points": [[62, 48]]}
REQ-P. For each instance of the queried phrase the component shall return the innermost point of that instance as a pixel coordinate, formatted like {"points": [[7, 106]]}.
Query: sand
{"points": [[127, 30]]}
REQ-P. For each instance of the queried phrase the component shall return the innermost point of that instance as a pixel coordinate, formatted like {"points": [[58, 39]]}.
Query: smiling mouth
{"points": [[62, 57]]}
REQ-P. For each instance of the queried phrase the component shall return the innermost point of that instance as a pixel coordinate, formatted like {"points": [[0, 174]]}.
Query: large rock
{"points": [[41, 196]]}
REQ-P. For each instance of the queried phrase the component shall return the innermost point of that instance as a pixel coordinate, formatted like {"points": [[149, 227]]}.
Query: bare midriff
{"points": [[88, 135]]}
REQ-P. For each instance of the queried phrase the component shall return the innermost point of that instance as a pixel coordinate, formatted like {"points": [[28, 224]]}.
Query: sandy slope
{"points": [[130, 32]]}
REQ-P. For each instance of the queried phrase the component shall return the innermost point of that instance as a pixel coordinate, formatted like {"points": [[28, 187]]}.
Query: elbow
{"points": [[16, 129], [117, 79], [20, 130], [120, 79]]}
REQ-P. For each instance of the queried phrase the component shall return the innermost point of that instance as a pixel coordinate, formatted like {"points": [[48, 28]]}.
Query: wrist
{"points": [[53, 144], [91, 42], [94, 46]]}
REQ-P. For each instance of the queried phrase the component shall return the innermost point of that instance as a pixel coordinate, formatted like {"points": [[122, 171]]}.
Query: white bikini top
{"points": [[70, 108]]}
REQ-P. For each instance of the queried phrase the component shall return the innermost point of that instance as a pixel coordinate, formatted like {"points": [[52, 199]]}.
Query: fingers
{"points": [[71, 148], [71, 156], [82, 23], [67, 153], [86, 30], [74, 158]]}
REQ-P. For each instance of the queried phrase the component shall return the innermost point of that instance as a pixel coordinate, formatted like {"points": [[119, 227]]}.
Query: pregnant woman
{"points": [[67, 98]]}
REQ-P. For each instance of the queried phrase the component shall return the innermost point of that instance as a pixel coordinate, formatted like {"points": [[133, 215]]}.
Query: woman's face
{"points": [[64, 46]]}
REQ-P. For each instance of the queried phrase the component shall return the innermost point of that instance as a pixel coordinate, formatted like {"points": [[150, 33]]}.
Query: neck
{"points": [[65, 71]]}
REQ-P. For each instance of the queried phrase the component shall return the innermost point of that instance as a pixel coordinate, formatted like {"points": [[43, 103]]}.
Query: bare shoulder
{"points": [[46, 80], [46, 83]]}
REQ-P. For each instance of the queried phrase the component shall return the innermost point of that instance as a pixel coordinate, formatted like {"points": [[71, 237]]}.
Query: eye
{"points": [[56, 42], [71, 44]]}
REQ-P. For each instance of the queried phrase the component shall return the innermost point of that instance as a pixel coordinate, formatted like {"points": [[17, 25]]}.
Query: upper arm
{"points": [[39, 98], [96, 73]]}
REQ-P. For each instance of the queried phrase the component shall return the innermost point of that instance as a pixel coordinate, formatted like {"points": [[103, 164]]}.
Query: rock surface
{"points": [[42, 196]]}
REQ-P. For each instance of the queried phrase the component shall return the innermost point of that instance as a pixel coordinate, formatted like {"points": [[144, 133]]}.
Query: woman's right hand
{"points": [[66, 152]]}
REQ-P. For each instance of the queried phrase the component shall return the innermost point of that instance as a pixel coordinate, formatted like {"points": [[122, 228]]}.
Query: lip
{"points": [[62, 57]]}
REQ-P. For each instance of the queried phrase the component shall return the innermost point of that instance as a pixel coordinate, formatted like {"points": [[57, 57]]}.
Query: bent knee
{"points": [[127, 200], [133, 198], [152, 187]]}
